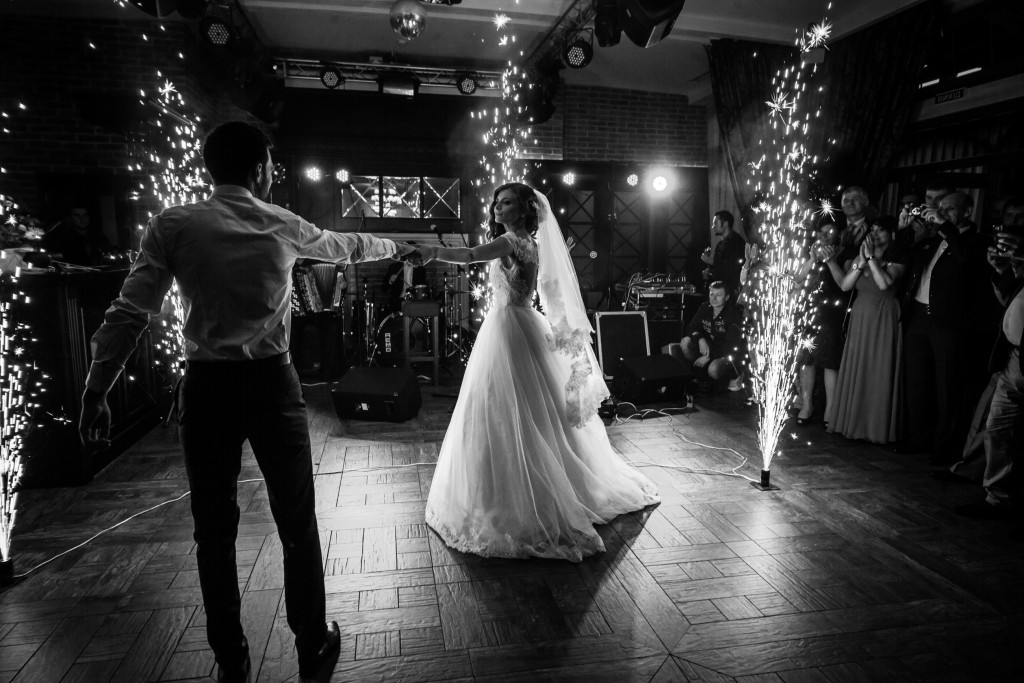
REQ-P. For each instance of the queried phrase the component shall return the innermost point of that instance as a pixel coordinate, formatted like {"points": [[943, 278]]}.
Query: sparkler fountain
{"points": [[783, 318]]}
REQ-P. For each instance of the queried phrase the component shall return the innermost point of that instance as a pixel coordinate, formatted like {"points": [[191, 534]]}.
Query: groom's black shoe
{"points": [[320, 671], [240, 674]]}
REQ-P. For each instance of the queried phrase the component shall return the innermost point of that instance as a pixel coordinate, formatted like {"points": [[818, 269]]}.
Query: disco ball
{"points": [[408, 18]]}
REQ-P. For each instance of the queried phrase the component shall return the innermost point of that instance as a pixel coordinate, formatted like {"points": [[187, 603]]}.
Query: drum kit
{"points": [[385, 340]]}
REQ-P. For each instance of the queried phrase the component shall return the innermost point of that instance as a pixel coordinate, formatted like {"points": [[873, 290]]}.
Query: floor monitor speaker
{"points": [[385, 394], [651, 379]]}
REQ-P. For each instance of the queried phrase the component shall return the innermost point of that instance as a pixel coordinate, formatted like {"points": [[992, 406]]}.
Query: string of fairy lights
{"points": [[783, 319], [169, 159], [504, 139], [21, 383]]}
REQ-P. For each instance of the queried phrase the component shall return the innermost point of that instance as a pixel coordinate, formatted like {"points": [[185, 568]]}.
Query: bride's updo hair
{"points": [[527, 207]]}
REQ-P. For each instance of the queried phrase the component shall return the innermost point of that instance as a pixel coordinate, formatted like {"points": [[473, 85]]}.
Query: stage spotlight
{"points": [[156, 8], [313, 173], [331, 77], [606, 22], [569, 178], [217, 32], [466, 83], [659, 183], [579, 48], [632, 179], [647, 22], [536, 106], [342, 176]]}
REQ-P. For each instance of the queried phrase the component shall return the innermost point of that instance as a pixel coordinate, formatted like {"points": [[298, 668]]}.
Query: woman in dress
{"points": [[865, 405], [526, 468], [829, 304]]}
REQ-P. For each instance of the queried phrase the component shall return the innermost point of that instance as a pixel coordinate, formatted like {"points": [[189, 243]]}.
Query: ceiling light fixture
{"points": [[466, 83], [331, 77], [606, 22], [217, 32], [579, 48]]}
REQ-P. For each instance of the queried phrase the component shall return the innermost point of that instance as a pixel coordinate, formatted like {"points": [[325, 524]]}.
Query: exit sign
{"points": [[949, 96]]}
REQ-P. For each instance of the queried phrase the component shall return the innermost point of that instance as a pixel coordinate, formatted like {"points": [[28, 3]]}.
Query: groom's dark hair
{"points": [[232, 150]]}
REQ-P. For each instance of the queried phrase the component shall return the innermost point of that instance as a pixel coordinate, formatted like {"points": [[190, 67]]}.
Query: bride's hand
{"points": [[426, 254]]}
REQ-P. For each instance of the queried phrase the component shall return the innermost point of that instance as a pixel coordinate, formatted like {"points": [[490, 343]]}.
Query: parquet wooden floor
{"points": [[856, 569]]}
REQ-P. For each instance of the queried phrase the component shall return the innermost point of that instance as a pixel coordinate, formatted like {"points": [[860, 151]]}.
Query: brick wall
{"points": [[51, 68], [604, 124]]}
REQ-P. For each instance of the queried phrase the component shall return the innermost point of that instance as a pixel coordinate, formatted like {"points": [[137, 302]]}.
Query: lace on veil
{"points": [[560, 297]]}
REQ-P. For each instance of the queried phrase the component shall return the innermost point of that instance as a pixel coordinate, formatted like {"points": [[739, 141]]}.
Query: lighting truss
{"points": [[367, 75]]}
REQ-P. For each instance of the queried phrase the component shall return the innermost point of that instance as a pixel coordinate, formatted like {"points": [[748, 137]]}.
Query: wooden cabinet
{"points": [[64, 311]]}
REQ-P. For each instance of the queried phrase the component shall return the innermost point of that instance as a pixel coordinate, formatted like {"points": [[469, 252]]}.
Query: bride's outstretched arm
{"points": [[485, 252]]}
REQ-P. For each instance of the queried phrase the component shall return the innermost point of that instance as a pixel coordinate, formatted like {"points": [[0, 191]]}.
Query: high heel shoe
{"points": [[804, 421]]}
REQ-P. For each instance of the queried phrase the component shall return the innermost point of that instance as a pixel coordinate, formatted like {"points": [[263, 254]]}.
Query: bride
{"points": [[526, 468]]}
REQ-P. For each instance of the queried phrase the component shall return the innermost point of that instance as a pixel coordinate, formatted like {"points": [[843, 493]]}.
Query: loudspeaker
{"points": [[646, 22], [651, 378], [620, 334], [384, 394]]}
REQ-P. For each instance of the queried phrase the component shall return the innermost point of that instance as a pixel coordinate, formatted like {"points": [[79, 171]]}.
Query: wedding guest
{"points": [[935, 333], [725, 262], [822, 275], [1004, 427], [76, 239], [713, 343], [866, 401]]}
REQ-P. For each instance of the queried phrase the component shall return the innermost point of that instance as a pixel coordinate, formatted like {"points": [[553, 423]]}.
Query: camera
{"points": [[918, 210]]}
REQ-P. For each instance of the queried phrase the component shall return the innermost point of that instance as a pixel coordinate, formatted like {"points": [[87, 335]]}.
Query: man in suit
{"points": [[857, 214], [935, 326]]}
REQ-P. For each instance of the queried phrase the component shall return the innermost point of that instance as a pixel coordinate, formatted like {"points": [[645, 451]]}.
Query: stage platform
{"points": [[856, 569]]}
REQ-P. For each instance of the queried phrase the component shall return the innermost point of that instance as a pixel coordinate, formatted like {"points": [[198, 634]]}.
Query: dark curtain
{"points": [[741, 78], [870, 82]]}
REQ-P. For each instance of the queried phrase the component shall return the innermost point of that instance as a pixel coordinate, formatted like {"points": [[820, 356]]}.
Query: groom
{"points": [[232, 256]]}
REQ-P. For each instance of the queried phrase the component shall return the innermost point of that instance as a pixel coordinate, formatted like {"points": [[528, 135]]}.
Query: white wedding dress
{"points": [[516, 477]]}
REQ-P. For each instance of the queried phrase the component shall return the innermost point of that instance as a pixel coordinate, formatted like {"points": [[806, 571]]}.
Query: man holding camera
{"points": [[936, 322], [912, 227]]}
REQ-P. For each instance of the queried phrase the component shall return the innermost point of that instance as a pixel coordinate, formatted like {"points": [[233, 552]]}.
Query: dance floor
{"points": [[855, 569]]}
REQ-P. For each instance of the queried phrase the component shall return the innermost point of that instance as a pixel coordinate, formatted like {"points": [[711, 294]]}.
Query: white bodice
{"points": [[514, 279]]}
